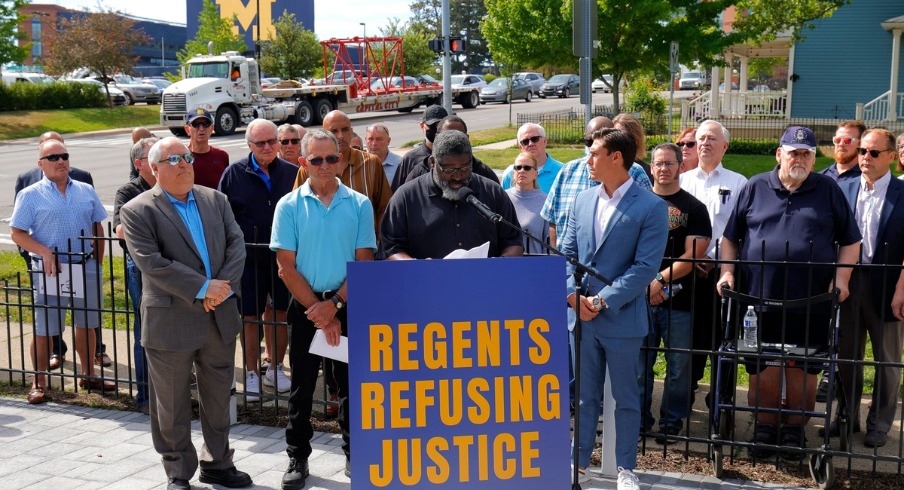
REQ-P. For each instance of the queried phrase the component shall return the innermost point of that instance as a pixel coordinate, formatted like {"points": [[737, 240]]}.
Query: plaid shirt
{"points": [[573, 179]]}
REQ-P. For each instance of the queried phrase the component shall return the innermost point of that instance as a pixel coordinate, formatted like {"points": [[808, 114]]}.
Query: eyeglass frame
{"points": [[689, 144], [199, 124], [55, 157], [260, 144], [294, 141], [318, 161], [841, 140], [533, 139], [523, 168], [873, 153], [665, 164], [451, 172], [188, 157]]}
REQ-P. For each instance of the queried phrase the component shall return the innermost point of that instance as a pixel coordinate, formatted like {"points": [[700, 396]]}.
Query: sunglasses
{"points": [[261, 144], [201, 124], [318, 161], [523, 168], [55, 158], [532, 139], [689, 144], [872, 153], [838, 140], [175, 159], [294, 141]]}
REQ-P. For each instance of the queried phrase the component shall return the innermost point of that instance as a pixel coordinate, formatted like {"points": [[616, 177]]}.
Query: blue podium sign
{"points": [[459, 374]]}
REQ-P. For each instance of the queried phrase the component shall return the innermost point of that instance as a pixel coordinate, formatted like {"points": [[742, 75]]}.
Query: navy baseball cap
{"points": [[798, 138], [434, 114], [198, 112]]}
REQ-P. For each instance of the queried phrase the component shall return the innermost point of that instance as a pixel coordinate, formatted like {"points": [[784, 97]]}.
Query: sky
{"points": [[332, 18]]}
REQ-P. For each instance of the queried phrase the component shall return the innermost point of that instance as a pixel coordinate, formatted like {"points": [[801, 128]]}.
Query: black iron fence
{"points": [[717, 411]]}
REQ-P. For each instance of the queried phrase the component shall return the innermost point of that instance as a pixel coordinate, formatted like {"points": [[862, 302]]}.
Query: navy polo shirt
{"points": [[773, 224]]}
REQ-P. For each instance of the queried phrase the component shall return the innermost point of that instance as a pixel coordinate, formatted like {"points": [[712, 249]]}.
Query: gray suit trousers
{"points": [[170, 402]]}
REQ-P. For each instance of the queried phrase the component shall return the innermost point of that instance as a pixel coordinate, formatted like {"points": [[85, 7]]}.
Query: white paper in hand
{"points": [[320, 347], [479, 252]]}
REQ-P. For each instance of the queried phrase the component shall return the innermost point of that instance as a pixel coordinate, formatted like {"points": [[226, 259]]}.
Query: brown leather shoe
{"points": [[56, 361], [36, 396], [103, 360], [96, 383]]}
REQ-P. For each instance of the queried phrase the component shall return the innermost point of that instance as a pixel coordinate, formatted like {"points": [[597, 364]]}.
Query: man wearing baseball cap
{"points": [[429, 125], [793, 216], [210, 161]]}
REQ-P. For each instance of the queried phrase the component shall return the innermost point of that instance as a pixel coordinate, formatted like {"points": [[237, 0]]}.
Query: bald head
{"points": [[340, 125], [50, 135], [140, 133], [599, 122]]}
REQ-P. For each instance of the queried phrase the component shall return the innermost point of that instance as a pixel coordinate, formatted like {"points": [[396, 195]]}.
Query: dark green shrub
{"points": [[56, 95]]}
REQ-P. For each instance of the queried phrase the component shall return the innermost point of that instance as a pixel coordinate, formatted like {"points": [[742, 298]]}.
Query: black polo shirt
{"points": [[773, 224], [421, 223], [124, 194]]}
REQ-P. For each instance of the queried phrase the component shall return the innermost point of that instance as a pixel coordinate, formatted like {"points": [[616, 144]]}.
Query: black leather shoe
{"points": [[229, 478], [875, 438], [178, 484], [295, 475]]}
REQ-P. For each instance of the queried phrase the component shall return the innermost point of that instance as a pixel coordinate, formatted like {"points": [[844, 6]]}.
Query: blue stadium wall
{"points": [[247, 19], [846, 59]]}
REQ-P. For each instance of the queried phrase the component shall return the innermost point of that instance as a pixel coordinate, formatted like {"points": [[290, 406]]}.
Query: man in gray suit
{"points": [[190, 251]]}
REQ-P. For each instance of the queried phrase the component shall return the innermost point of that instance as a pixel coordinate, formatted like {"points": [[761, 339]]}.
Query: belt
{"points": [[81, 260], [325, 295]]}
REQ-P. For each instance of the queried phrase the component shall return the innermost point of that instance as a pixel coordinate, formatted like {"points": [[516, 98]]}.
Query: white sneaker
{"points": [[278, 378], [627, 480], [252, 387], [583, 475]]}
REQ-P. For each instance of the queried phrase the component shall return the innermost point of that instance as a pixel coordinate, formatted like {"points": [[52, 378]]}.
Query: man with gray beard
{"points": [[429, 218]]}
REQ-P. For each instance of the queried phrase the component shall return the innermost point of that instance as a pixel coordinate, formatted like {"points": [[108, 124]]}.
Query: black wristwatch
{"points": [[337, 301], [660, 278]]}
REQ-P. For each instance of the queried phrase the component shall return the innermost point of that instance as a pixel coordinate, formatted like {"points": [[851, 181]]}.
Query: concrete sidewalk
{"points": [[67, 446]]}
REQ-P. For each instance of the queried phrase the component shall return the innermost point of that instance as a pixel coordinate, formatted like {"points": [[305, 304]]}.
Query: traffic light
{"points": [[436, 45], [456, 45]]}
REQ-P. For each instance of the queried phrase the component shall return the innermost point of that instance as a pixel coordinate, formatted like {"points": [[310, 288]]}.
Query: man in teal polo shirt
{"points": [[317, 229], [532, 139]]}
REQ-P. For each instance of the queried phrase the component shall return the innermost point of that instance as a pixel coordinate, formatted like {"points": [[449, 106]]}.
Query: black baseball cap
{"points": [[434, 114]]}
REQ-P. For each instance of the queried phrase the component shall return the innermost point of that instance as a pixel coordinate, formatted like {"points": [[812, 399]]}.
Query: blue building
{"points": [[247, 21]]}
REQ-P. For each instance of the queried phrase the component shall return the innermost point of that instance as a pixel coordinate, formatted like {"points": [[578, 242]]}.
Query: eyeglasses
{"points": [[201, 124], [900, 147], [689, 144], [55, 158], [532, 139], [318, 161], [357, 147], [175, 159], [261, 144], [294, 141], [454, 171], [838, 140], [523, 168], [872, 153], [663, 164]]}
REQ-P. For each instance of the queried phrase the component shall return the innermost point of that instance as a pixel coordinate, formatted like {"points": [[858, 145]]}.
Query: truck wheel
{"points": [[226, 121], [178, 132], [469, 100], [321, 108], [304, 113]]}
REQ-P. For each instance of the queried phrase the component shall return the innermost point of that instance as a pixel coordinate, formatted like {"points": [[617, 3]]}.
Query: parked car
{"points": [[341, 77], [534, 79], [561, 85], [692, 80], [427, 79], [11, 77], [734, 87], [117, 97], [134, 89], [475, 82], [161, 83], [394, 82], [266, 82], [604, 84], [498, 91]]}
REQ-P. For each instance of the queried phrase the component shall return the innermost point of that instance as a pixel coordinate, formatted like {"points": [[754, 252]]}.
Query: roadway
{"points": [[105, 153]]}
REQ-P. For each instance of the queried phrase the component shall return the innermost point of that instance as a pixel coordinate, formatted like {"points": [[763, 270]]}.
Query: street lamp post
{"points": [[257, 42], [362, 54]]}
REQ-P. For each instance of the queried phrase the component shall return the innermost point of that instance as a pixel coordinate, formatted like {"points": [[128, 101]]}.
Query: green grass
{"points": [[15, 286], [25, 124]]}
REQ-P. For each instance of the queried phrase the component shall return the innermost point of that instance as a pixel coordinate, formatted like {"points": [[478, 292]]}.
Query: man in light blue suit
{"points": [[620, 230]]}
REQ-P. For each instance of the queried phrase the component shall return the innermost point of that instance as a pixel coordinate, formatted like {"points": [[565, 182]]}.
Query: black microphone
{"points": [[468, 195]]}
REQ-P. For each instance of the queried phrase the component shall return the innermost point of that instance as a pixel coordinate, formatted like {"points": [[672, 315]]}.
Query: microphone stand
{"points": [[579, 271]]}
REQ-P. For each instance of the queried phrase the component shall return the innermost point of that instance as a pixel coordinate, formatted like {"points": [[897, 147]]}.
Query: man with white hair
{"points": [[717, 188], [532, 139], [377, 138], [289, 138]]}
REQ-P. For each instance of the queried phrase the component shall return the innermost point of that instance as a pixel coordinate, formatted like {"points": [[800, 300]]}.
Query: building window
{"points": [[37, 47]]}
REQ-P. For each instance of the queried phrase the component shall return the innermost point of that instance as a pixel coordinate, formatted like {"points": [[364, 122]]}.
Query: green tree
{"points": [[9, 34], [212, 27], [415, 44], [464, 16], [102, 42], [764, 19], [294, 51]]}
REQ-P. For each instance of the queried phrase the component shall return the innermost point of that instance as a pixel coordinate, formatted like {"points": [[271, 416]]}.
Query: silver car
{"points": [[498, 91], [534, 79], [134, 89]]}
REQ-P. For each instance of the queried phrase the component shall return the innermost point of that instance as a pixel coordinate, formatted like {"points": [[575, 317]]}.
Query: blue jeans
{"points": [[673, 329], [133, 283]]}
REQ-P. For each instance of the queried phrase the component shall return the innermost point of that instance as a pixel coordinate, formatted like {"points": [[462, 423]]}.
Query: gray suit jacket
{"points": [[172, 270]]}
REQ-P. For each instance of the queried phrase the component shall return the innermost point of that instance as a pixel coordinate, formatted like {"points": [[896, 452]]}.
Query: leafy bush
{"points": [[56, 95], [489, 77]]}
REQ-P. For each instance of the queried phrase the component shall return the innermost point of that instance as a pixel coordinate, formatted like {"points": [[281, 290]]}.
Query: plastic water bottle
{"points": [[750, 328], [671, 290]]}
